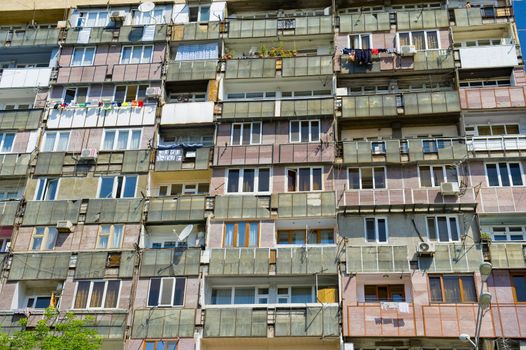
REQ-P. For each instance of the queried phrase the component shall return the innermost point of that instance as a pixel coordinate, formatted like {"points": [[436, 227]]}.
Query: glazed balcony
{"points": [[290, 26], [488, 56], [497, 146], [183, 208], [404, 104], [29, 36], [274, 154], [475, 16], [493, 97], [25, 78], [123, 34], [195, 31], [434, 60], [187, 113], [28, 119], [172, 159], [191, 70], [366, 320], [113, 73]]}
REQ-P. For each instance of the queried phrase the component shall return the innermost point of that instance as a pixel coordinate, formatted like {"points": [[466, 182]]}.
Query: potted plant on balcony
{"points": [[485, 238]]}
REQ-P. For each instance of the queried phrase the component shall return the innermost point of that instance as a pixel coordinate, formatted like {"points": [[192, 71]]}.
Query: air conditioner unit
{"points": [[64, 226], [449, 188], [118, 16], [425, 248], [154, 92], [88, 154], [407, 50]]}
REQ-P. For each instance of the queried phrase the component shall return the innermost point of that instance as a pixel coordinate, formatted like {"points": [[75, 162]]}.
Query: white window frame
{"points": [[36, 296], [243, 126], [425, 38], [115, 186], [241, 177], [314, 298], [174, 279], [376, 233], [2, 140], [506, 232], [310, 121], [199, 8], [298, 179], [88, 301], [360, 35], [126, 92], [56, 143], [46, 237], [76, 88], [361, 182], [116, 139], [259, 296], [83, 17], [156, 16], [444, 174], [44, 181], [241, 96], [133, 47], [448, 221], [110, 235], [83, 63], [491, 126], [500, 176]]}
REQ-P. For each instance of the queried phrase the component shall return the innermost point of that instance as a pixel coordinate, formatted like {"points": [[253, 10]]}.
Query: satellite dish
{"points": [[185, 232], [146, 6]]}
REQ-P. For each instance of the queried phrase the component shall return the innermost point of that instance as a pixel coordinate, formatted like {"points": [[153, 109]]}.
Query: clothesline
{"points": [[100, 104], [364, 56]]}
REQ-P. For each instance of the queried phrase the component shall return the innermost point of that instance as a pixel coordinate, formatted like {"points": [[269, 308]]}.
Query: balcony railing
{"points": [[513, 144], [474, 16], [29, 36], [177, 209], [115, 73], [8, 212], [312, 204], [21, 119], [123, 34], [14, 164], [493, 97], [387, 258], [242, 261], [364, 22], [307, 66], [25, 77], [195, 31], [187, 113], [191, 70], [385, 62], [369, 319], [163, 323], [257, 28], [422, 19], [250, 68]]}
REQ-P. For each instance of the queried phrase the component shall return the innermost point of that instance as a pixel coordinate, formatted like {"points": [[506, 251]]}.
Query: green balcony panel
{"points": [[170, 262], [9, 322], [38, 36], [108, 211], [250, 68], [310, 260], [14, 164], [243, 261], [40, 266], [377, 259], [306, 204], [308, 322], [242, 207], [191, 70], [8, 212], [93, 264], [454, 257], [196, 31], [364, 22], [431, 102], [97, 35], [307, 66], [163, 323], [507, 255], [135, 34], [136, 161], [49, 212], [252, 28], [313, 25], [392, 151], [108, 326], [457, 149], [182, 208], [50, 163], [20, 119], [422, 19], [310, 107], [369, 106], [239, 110], [467, 17], [433, 60], [235, 322]]}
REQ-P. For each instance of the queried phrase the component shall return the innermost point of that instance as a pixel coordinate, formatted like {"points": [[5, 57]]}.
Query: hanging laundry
{"points": [[403, 307]]}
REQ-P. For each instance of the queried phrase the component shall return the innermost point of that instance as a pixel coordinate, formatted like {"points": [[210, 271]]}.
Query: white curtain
{"points": [[196, 52]]}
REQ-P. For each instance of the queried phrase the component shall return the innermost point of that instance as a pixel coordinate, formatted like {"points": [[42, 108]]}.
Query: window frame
{"points": [[310, 122], [3, 136], [506, 232], [311, 178], [390, 291], [56, 142], [165, 343], [104, 294], [411, 42], [443, 290], [241, 178], [110, 235], [449, 231], [76, 88], [235, 237], [5, 245], [45, 238], [44, 181], [83, 18], [36, 296], [161, 285], [115, 141], [499, 175], [243, 126], [360, 40], [138, 87], [444, 168], [83, 63], [290, 236], [373, 168], [199, 14], [376, 231], [133, 47], [514, 288], [115, 186]]}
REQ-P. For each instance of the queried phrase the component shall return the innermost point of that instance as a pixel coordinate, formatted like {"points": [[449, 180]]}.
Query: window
{"points": [[261, 295], [246, 134], [93, 19], [121, 139], [251, 95], [498, 130], [376, 230], [136, 54], [304, 179], [422, 40], [189, 52], [83, 56], [56, 141], [117, 186], [160, 345], [434, 175], [176, 97], [177, 189], [167, 291], [41, 301], [443, 228], [452, 289], [128, 93], [44, 238], [199, 13], [304, 93], [293, 295], [155, 16], [47, 189], [361, 41], [310, 236], [305, 131], [504, 174], [6, 142], [432, 146], [241, 234], [110, 236], [5, 244], [393, 292], [366, 178], [485, 83], [507, 233], [519, 287], [97, 294], [75, 95], [248, 180]]}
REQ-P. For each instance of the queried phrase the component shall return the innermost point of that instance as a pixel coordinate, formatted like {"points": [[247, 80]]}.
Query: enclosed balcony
{"points": [[178, 209], [475, 16], [24, 119], [497, 146], [21, 36], [14, 165], [179, 157], [187, 113], [493, 97], [289, 26], [114, 73], [191, 70], [196, 31], [488, 56], [25, 78], [123, 34], [288, 67], [8, 212]]}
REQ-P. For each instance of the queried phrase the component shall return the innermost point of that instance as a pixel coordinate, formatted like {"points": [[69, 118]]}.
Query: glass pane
{"points": [[155, 287], [120, 94], [354, 179], [135, 139], [315, 131], [96, 294], [150, 345], [106, 187], [81, 299], [370, 293], [326, 237], [419, 40], [379, 178], [301, 295], [136, 54], [451, 174], [370, 229], [241, 234], [404, 39], [504, 176], [451, 289], [52, 185], [89, 55], [236, 134], [129, 187], [244, 296], [179, 291], [316, 179], [147, 54], [248, 180], [468, 287], [167, 291], [264, 180], [42, 302], [51, 238], [432, 40], [229, 235], [233, 181], [498, 130], [425, 177], [256, 133], [117, 236], [77, 57], [516, 175], [519, 285], [221, 296], [122, 139], [109, 136], [443, 235], [436, 289], [291, 180], [112, 294], [253, 234], [205, 14], [438, 175], [50, 142], [304, 177], [37, 243], [493, 177], [367, 178], [382, 230], [454, 229], [62, 141], [484, 130], [294, 132], [305, 131]]}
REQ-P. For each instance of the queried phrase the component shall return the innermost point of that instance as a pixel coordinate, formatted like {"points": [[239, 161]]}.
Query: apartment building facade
{"points": [[296, 175]]}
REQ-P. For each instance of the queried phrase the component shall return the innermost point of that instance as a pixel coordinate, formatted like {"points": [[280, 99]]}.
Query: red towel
{"points": [[374, 51]]}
